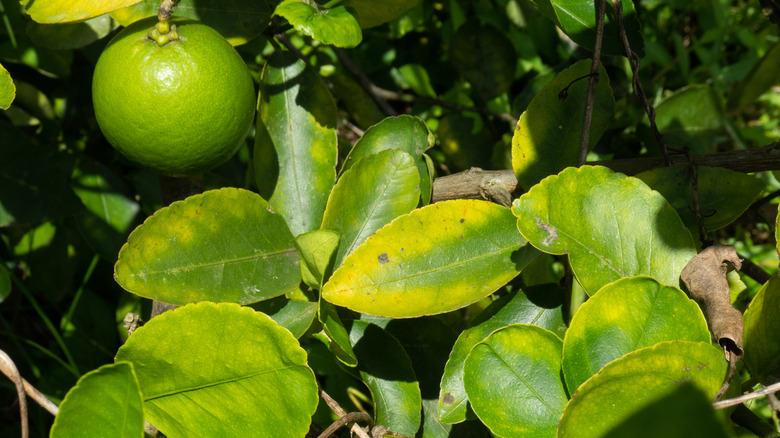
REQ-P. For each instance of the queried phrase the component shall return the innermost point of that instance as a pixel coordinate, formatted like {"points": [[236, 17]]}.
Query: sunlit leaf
{"points": [[106, 402], [295, 146], [762, 356], [237, 20], [317, 251], [294, 315], [611, 226], [386, 369], [624, 316], [337, 335], [513, 381], [222, 245], [65, 11], [221, 370], [389, 187], [540, 306], [547, 136], [337, 26], [438, 258], [7, 88], [628, 385]]}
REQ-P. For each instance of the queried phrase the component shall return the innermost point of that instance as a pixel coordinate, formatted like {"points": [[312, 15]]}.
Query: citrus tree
{"points": [[389, 218]]}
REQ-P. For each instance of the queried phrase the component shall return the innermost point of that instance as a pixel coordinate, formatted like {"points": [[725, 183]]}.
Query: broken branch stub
{"points": [[705, 277]]}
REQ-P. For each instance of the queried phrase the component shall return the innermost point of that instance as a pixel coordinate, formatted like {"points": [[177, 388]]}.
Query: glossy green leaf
{"points": [[685, 412], [540, 306], [295, 147], [723, 194], [406, 133], [402, 272], [294, 315], [222, 245], [237, 20], [110, 210], [105, 402], [66, 11], [386, 369], [624, 316], [492, 72], [513, 381], [547, 136], [433, 428], [7, 89], [691, 118], [337, 26], [415, 76], [35, 180], [762, 328], [372, 13], [760, 79], [628, 385], [577, 19], [70, 36], [210, 369], [641, 235], [337, 336], [389, 187], [317, 251]]}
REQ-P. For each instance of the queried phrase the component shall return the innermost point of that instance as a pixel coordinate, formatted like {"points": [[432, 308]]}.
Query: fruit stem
{"points": [[166, 9]]}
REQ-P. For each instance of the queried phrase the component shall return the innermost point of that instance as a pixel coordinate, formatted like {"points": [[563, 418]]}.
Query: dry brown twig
{"points": [[8, 367], [593, 83]]}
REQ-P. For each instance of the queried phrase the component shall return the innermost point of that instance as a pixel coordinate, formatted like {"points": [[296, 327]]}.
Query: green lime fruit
{"points": [[179, 103]]}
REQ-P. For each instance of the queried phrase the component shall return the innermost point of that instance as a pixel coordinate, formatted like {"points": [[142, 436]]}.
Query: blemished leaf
{"points": [[624, 316], [723, 194], [684, 412], [547, 136], [372, 13], [294, 315], [295, 146], [691, 118], [762, 356], [337, 335], [106, 402], [35, 180], [513, 381], [70, 36], [237, 373], [389, 187], [760, 79], [540, 306], [406, 133], [237, 20], [398, 271], [641, 234], [317, 251], [7, 89], [492, 72], [386, 369], [223, 245], [110, 209], [626, 386], [66, 11], [337, 26], [577, 19]]}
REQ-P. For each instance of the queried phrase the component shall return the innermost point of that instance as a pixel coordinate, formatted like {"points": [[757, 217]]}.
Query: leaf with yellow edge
{"points": [[7, 89], [66, 11], [438, 258]]}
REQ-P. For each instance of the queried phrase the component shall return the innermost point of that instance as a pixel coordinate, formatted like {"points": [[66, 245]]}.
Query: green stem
{"points": [[69, 314], [8, 27]]}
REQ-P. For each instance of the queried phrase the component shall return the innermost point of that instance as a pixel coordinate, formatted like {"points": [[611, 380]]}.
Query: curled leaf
{"points": [[705, 277]]}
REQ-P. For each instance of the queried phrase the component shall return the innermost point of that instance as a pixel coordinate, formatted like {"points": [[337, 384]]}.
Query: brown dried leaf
{"points": [[705, 277]]}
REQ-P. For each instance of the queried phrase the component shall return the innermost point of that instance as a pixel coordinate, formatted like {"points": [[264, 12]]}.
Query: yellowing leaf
{"points": [[66, 11]]}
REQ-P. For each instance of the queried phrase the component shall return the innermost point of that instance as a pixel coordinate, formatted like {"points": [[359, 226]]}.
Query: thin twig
{"points": [[346, 419], [166, 9], [771, 389], [338, 410], [363, 81], [593, 83], [733, 358], [8, 367], [411, 98]]}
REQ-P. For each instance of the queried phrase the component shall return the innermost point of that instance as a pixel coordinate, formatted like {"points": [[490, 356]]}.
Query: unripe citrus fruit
{"points": [[178, 107]]}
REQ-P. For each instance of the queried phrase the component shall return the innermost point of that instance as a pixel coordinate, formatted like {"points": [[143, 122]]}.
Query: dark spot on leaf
{"points": [[402, 249], [383, 258], [448, 399], [462, 220], [461, 236]]}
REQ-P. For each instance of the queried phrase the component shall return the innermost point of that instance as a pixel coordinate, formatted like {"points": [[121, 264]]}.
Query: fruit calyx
{"points": [[163, 33]]}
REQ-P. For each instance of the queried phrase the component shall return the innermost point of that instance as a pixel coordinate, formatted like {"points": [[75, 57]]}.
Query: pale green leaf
{"points": [[7, 89], [402, 270], [337, 26], [66, 11], [221, 245], [610, 225], [317, 251], [224, 370], [295, 146]]}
